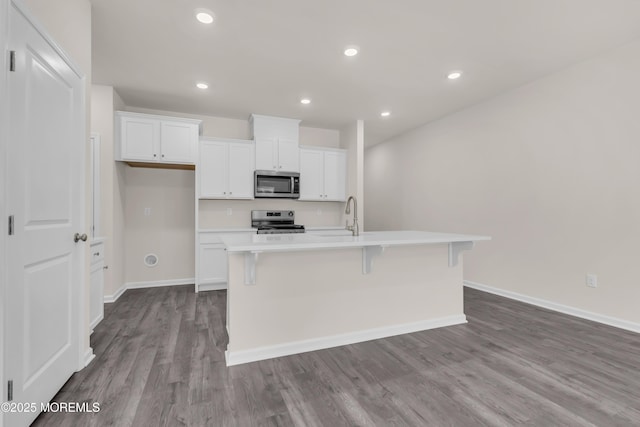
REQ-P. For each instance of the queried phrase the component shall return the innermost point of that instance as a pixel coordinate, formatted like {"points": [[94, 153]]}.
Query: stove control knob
{"points": [[290, 213]]}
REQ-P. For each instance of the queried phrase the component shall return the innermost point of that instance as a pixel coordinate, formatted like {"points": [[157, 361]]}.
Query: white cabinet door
{"points": [[213, 264], [323, 174], [177, 142], [225, 170], [288, 155], [335, 175], [212, 173], [156, 139], [96, 294], [240, 169], [96, 284], [266, 153], [311, 174], [139, 139]]}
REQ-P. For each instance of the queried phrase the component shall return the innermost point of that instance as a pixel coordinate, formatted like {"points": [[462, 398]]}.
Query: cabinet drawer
{"points": [[206, 238], [97, 252]]}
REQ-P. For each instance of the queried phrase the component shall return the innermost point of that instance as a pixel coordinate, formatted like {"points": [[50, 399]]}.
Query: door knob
{"points": [[77, 237]]}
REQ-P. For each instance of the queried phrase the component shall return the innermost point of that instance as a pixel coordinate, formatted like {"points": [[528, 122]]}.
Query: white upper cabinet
{"points": [[323, 174], [277, 154], [156, 139], [311, 174], [266, 153], [212, 170], [225, 169], [276, 143], [240, 170], [176, 142]]}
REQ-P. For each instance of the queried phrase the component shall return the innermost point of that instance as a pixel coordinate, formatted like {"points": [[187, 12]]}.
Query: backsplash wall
{"points": [[237, 213]]}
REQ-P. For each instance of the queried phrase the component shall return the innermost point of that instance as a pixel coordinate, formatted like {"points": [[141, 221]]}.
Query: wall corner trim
{"points": [[550, 305]]}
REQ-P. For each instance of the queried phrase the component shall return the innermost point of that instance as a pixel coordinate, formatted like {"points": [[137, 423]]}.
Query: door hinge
{"points": [[12, 60], [11, 225], [9, 390]]}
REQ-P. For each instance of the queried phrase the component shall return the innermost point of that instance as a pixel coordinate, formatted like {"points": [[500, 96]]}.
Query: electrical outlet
{"points": [[147, 211], [592, 280], [229, 211]]}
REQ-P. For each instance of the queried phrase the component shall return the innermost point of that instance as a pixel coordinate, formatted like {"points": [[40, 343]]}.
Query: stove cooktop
{"points": [[275, 222], [277, 229]]}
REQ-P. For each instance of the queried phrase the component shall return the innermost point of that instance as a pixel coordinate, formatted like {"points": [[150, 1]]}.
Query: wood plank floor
{"points": [[160, 362]]}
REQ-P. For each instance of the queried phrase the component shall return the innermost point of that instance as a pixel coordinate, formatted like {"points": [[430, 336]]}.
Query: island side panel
{"points": [[307, 295]]}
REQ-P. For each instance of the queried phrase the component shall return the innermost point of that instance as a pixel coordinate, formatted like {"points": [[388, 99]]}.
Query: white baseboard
{"points": [[159, 283], [149, 284], [93, 324], [550, 305], [88, 356], [113, 298], [269, 352], [212, 286]]}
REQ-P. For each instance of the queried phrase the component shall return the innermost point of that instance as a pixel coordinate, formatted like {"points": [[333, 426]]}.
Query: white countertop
{"points": [[253, 230], [303, 241]]}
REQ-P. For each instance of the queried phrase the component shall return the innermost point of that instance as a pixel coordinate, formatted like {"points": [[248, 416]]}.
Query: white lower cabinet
{"points": [[96, 289], [211, 263]]}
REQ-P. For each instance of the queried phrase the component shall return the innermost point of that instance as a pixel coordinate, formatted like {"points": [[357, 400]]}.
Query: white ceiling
{"points": [[262, 56]]}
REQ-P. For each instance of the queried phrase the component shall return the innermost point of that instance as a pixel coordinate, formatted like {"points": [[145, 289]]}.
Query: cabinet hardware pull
{"points": [[96, 254], [77, 237]]}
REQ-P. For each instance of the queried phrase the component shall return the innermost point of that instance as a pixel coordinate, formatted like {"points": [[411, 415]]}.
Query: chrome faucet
{"points": [[352, 228]]}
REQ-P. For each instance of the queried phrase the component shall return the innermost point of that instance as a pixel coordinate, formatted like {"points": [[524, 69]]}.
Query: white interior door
{"points": [[45, 196]]}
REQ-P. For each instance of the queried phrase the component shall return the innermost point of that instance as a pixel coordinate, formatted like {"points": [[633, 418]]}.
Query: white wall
{"points": [[104, 101], [550, 170], [352, 140], [214, 213], [167, 232]]}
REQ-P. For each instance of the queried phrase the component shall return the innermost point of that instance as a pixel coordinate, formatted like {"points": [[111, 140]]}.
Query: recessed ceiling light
{"points": [[204, 16], [351, 51], [305, 101], [202, 85], [385, 113], [454, 75]]}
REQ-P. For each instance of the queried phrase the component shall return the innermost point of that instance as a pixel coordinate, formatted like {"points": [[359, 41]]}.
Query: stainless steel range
{"points": [[274, 222]]}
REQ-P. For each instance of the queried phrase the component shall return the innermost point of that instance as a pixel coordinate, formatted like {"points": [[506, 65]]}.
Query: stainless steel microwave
{"points": [[277, 185]]}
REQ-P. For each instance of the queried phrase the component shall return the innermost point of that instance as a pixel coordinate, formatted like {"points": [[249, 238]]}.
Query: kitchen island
{"points": [[291, 293]]}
